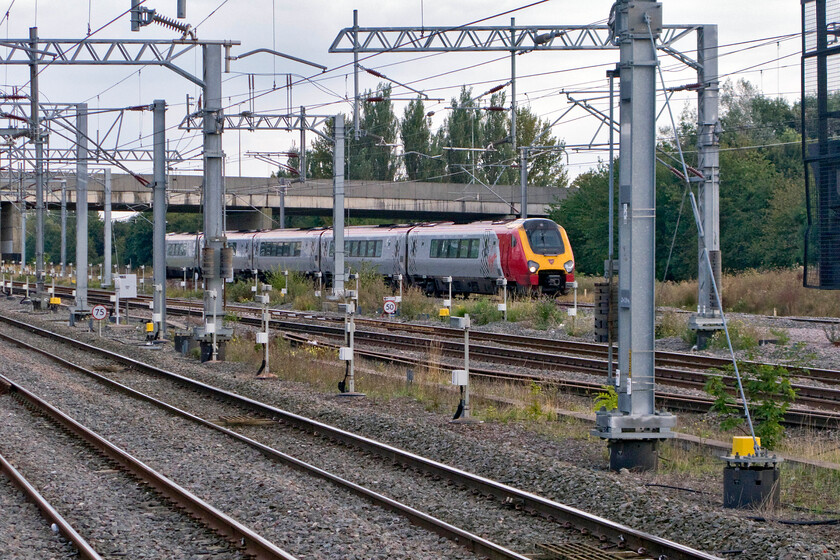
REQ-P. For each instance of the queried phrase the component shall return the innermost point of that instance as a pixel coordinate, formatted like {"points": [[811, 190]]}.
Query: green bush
{"points": [[769, 393], [607, 399], [671, 324], [299, 286], [547, 314], [415, 304], [484, 311], [239, 291], [742, 335]]}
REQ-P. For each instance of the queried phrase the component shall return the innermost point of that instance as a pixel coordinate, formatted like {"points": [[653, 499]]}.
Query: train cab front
{"points": [[550, 262]]}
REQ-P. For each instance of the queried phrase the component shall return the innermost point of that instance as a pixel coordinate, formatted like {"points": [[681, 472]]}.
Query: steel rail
{"points": [[813, 396], [617, 533], [83, 547], [474, 542], [673, 359], [794, 416], [817, 397], [239, 534]]}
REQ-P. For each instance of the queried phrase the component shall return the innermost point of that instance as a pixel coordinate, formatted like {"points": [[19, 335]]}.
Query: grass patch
{"points": [[671, 324], [743, 336], [768, 292]]}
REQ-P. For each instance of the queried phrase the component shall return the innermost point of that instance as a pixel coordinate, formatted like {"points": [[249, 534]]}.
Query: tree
{"points": [[545, 169], [370, 156], [461, 130], [416, 134], [497, 160], [584, 217]]}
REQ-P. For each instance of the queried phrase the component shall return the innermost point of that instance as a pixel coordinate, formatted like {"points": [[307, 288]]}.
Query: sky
{"points": [[748, 34]]}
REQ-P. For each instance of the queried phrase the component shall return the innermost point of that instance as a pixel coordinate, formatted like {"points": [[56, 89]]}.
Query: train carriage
{"points": [[531, 254], [287, 249], [242, 244], [182, 252], [381, 248], [468, 253]]}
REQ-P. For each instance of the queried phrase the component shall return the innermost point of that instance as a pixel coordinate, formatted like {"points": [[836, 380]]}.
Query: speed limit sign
{"points": [[99, 312], [390, 307]]}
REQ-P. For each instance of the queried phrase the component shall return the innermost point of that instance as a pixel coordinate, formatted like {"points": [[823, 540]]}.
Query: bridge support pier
{"points": [[260, 218], [10, 231]]}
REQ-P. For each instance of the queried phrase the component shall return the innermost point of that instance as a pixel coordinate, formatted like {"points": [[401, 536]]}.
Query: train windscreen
{"points": [[544, 238]]}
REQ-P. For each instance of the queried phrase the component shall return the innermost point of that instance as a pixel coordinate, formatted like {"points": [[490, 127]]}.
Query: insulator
{"points": [[375, 73], [375, 99], [495, 108], [227, 262], [184, 28], [495, 89], [210, 263]]}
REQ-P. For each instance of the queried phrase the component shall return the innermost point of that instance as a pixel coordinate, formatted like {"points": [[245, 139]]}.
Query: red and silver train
{"points": [[533, 253]]}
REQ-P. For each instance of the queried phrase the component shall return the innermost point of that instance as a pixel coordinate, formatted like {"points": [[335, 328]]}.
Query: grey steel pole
{"points": [[356, 134], [611, 74], [338, 205], [63, 228], [523, 182], [302, 155], [35, 135], [636, 229], [22, 197], [282, 206], [159, 216], [214, 211], [708, 126], [635, 428], [513, 84], [106, 273], [81, 208]]}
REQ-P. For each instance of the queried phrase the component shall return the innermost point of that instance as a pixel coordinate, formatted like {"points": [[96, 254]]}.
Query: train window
{"points": [[545, 241], [371, 248], [474, 248], [281, 249], [176, 250], [454, 248], [464, 249]]}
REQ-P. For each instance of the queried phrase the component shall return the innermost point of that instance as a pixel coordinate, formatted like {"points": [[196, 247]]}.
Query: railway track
{"points": [[581, 523], [48, 511], [816, 405], [238, 534]]}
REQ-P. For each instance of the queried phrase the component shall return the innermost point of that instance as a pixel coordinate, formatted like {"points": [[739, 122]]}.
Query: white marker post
{"points": [[447, 303], [461, 377], [263, 337], [503, 306]]}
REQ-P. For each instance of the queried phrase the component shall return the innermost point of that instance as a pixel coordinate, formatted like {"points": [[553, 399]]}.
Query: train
{"points": [[532, 254]]}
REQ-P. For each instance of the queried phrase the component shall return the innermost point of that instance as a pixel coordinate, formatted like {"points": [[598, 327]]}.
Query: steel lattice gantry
{"points": [[494, 38], [635, 428], [167, 54]]}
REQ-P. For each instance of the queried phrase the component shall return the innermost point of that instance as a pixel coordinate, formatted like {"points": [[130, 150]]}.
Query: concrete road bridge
{"points": [[255, 202]]}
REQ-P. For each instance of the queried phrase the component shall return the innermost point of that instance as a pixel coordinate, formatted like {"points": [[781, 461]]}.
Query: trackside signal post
{"points": [[635, 428]]}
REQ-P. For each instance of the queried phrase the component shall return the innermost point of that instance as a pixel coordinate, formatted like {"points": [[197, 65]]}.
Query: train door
{"points": [[504, 251]]}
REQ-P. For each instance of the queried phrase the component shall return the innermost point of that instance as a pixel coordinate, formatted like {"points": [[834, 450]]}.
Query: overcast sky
{"points": [[306, 30]]}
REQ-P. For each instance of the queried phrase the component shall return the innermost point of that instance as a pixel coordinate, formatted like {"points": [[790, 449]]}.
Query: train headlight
{"points": [[569, 266], [533, 267]]}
